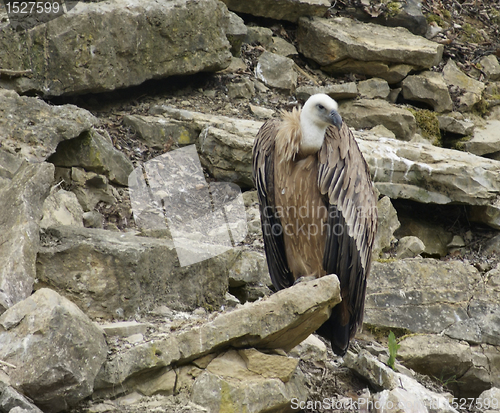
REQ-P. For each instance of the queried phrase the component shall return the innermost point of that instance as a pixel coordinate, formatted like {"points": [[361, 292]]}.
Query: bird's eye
{"points": [[321, 107]]}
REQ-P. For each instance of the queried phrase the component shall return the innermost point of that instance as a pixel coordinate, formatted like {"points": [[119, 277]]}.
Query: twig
{"points": [[7, 364], [16, 73], [304, 73]]}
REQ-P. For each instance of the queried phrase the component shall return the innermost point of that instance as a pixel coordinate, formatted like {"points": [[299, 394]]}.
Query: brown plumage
{"points": [[318, 207]]}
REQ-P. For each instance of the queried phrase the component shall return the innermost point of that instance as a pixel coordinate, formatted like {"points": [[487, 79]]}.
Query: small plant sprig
{"points": [[393, 349]]}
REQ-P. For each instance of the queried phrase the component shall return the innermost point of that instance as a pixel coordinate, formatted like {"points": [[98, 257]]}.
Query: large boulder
{"points": [[56, 348], [429, 174], [329, 42], [21, 203], [105, 46], [32, 128], [115, 275], [431, 296], [393, 288], [13, 402]]}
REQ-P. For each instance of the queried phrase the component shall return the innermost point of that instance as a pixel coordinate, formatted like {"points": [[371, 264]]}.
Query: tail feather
{"points": [[339, 335]]}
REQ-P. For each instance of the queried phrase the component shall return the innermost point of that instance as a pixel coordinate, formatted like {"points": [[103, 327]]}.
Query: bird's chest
{"points": [[302, 214], [296, 186]]}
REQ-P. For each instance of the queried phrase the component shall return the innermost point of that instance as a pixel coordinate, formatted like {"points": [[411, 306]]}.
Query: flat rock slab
{"points": [[328, 41], [437, 293], [368, 113], [114, 275], [431, 296], [21, 203], [289, 10], [56, 349], [474, 369], [32, 128], [105, 46], [429, 174], [280, 321]]}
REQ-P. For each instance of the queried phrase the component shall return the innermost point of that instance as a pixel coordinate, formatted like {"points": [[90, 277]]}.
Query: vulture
{"points": [[318, 208]]}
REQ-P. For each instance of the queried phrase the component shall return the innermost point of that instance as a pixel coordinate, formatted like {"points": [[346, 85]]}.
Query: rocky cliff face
{"points": [[134, 277]]}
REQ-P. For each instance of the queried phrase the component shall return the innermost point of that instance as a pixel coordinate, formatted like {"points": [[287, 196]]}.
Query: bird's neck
{"points": [[313, 136]]}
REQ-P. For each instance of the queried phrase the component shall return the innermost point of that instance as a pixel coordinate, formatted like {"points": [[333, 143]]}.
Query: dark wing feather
{"points": [[263, 177], [345, 183]]}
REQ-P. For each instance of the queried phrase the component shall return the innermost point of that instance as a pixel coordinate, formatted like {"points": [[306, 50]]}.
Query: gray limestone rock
{"points": [[409, 247], [21, 203], [328, 41], [56, 348], [235, 381], [96, 153], [484, 140], [157, 131], [97, 51], [395, 388], [236, 31], [419, 295], [387, 224], [61, 208], [367, 113], [337, 92], [453, 124], [115, 275], [490, 67], [374, 88], [430, 88], [468, 370], [276, 71], [32, 129], [470, 90]]}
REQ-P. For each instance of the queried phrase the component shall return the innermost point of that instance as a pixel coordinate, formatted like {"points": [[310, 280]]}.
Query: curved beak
{"points": [[335, 119]]}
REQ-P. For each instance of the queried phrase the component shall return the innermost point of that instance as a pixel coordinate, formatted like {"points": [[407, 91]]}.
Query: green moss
{"points": [[495, 16], [428, 123], [471, 34], [481, 108], [446, 14], [460, 143], [386, 260], [393, 8], [435, 18]]}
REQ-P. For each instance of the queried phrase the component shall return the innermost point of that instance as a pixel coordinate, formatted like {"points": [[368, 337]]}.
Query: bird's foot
{"points": [[304, 278]]}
